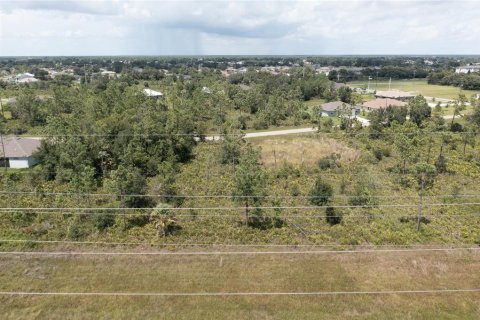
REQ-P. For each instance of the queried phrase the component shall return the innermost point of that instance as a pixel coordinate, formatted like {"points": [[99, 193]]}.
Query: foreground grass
{"points": [[245, 273], [418, 87]]}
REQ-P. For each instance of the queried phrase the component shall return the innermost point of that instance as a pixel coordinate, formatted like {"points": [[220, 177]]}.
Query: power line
{"points": [[41, 193], [281, 216], [243, 208], [459, 245], [209, 253], [223, 294]]}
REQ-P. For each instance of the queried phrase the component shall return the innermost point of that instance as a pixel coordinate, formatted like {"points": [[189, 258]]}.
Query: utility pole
{"points": [[420, 203]]}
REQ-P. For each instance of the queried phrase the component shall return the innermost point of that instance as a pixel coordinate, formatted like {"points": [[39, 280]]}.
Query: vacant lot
{"points": [[244, 273], [416, 86], [302, 150]]}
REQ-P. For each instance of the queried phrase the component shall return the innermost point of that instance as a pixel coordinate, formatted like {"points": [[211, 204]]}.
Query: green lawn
{"points": [[416, 86], [243, 273]]}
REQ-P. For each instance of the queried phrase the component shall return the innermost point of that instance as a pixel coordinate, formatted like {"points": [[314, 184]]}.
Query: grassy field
{"points": [[418, 87], [302, 150], [244, 273]]}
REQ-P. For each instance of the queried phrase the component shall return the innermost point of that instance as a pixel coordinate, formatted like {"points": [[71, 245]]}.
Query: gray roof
{"points": [[334, 105], [394, 94], [16, 147]]}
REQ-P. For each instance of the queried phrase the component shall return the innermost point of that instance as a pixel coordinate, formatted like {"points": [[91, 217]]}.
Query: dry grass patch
{"points": [[303, 150]]}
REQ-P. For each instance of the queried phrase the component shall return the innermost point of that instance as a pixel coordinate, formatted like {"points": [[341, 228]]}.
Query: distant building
{"points": [[25, 78], [206, 90], [152, 93], [331, 109], [110, 74], [19, 152], [394, 94], [468, 69], [382, 103]]}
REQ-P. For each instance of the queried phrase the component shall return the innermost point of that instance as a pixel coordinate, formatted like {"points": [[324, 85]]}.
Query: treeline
{"points": [[467, 81], [346, 75]]}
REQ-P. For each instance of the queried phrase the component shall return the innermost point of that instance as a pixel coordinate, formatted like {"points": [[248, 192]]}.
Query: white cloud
{"points": [[238, 27]]}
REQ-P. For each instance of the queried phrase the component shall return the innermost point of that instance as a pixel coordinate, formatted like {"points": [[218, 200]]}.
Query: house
{"points": [[19, 152], [394, 94], [468, 69], [109, 74], [25, 78], [206, 90], [331, 109], [382, 103], [152, 93]]}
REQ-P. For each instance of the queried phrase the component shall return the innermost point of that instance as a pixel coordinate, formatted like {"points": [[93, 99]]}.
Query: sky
{"points": [[222, 27]]}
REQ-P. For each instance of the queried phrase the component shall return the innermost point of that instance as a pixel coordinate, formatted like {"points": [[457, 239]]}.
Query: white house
{"points": [[152, 93], [468, 69], [19, 152]]}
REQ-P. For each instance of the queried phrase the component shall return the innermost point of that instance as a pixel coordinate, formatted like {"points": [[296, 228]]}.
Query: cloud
{"points": [[238, 27]]}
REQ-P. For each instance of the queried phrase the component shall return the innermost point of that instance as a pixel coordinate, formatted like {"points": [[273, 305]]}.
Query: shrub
{"points": [[103, 221], [332, 217], [441, 164], [329, 162]]}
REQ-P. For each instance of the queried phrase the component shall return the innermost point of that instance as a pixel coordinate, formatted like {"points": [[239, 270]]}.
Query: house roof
{"points": [[334, 105], [383, 103], [394, 94], [17, 147], [152, 93]]}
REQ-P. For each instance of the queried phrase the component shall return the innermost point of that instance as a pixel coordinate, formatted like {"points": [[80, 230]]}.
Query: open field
{"points": [[302, 150], [244, 273], [416, 86]]}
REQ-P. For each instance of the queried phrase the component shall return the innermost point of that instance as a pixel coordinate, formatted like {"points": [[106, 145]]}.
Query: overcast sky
{"points": [[132, 27]]}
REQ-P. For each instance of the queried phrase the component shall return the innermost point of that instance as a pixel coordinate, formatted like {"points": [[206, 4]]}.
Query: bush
{"points": [[332, 217], [321, 193], [456, 127], [329, 162], [382, 151], [441, 164], [74, 232], [103, 221]]}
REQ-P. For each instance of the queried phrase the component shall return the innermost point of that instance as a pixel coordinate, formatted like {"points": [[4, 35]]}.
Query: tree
{"points": [[321, 192], [419, 110], [250, 181], [459, 105], [345, 94], [425, 174], [407, 141], [129, 183]]}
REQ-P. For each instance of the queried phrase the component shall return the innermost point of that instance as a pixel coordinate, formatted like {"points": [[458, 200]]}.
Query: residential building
{"points": [[152, 93], [19, 152], [382, 103], [394, 94], [334, 108], [468, 69]]}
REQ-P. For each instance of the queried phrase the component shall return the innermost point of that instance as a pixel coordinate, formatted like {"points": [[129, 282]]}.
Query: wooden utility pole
{"points": [[420, 203]]}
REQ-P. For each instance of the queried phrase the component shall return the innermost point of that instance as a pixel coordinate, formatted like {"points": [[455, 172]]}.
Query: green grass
{"points": [[418, 87], [244, 273]]}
